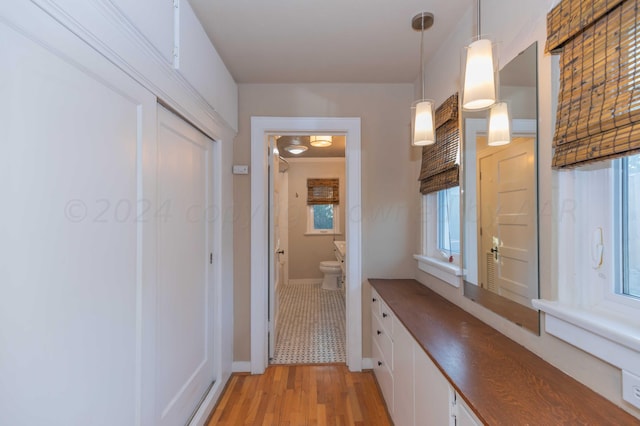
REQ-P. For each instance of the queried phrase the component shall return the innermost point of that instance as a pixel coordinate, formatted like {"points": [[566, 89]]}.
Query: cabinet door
{"points": [[382, 370], [75, 134], [431, 392], [403, 372], [463, 414]]}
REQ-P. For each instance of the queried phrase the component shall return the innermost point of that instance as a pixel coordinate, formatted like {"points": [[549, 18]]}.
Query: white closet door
{"points": [[74, 133], [184, 333]]}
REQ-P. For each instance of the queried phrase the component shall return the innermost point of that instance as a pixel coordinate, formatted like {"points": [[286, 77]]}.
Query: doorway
{"points": [[261, 128], [306, 234]]}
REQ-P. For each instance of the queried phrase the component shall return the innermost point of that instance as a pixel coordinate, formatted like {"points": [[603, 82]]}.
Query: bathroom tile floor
{"points": [[311, 325]]}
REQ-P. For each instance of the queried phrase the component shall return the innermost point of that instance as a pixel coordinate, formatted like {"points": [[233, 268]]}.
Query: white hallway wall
{"points": [[388, 183], [515, 27]]}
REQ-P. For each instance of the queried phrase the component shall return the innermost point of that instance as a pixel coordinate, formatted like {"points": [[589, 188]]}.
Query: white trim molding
{"points": [[606, 338], [261, 128], [102, 25], [445, 271]]}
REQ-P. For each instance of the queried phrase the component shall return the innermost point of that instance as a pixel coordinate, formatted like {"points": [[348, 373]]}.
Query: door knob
{"points": [[494, 250]]}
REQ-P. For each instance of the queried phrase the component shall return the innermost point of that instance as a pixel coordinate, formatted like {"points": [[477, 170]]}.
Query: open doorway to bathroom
{"points": [[261, 128], [307, 249]]}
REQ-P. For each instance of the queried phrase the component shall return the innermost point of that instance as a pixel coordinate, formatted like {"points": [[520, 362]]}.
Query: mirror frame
{"points": [[525, 316]]}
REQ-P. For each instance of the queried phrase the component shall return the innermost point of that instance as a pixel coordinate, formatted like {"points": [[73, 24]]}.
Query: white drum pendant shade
{"points": [[423, 128], [479, 80]]}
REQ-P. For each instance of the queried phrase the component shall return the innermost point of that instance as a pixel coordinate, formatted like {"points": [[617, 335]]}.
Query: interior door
{"points": [[184, 329], [75, 131], [508, 217]]}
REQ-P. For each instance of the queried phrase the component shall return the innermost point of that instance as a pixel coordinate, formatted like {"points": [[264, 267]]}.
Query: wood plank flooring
{"points": [[297, 395]]}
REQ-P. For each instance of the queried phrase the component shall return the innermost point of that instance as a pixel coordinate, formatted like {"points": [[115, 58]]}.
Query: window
{"points": [[630, 170], [449, 221], [598, 244], [440, 255], [323, 196], [323, 219], [630, 216]]}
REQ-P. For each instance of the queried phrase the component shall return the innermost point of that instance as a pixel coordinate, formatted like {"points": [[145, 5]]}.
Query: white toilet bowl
{"points": [[332, 273]]}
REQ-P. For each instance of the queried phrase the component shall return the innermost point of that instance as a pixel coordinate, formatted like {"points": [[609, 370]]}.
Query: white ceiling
{"points": [[328, 41]]}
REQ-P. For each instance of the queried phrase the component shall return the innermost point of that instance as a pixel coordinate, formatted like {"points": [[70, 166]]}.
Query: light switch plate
{"points": [[240, 169], [631, 388]]}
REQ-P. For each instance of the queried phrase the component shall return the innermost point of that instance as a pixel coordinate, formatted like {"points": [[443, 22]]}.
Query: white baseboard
{"points": [[306, 281], [241, 366], [367, 363]]}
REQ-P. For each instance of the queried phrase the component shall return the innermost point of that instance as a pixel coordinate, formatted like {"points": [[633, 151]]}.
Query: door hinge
{"points": [[211, 258], [454, 408]]}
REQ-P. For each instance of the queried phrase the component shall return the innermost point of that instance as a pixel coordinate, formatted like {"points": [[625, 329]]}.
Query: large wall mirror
{"points": [[500, 190]]}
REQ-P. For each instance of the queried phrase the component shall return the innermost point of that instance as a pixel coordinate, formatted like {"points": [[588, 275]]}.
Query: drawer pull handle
{"points": [[374, 300], [379, 332], [384, 315], [379, 363]]}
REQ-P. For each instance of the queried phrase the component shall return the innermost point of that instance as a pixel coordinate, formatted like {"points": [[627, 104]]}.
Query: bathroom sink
{"points": [[341, 246]]}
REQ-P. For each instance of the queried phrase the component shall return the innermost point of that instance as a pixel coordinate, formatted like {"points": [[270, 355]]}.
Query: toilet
{"points": [[332, 273]]}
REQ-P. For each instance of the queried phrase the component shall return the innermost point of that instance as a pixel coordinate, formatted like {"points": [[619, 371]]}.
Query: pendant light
{"points": [[422, 110], [499, 125], [479, 90], [320, 141]]}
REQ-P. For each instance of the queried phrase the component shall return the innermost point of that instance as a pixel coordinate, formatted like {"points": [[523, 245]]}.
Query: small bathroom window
{"points": [[322, 201], [323, 219]]}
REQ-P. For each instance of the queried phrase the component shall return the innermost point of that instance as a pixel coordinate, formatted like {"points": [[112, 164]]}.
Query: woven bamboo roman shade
{"points": [[599, 100], [440, 168], [323, 191]]}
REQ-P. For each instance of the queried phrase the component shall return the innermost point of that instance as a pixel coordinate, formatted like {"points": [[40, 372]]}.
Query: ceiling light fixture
{"points": [[479, 90], [320, 141], [295, 147], [422, 111]]}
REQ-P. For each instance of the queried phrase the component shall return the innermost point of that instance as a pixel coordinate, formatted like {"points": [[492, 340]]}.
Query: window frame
{"points": [[589, 312], [311, 230], [440, 196], [431, 259]]}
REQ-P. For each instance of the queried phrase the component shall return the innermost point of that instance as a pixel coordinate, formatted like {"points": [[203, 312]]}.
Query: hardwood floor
{"points": [[297, 395]]}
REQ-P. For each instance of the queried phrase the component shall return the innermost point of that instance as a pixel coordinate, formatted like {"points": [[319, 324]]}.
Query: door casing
{"points": [[261, 128]]}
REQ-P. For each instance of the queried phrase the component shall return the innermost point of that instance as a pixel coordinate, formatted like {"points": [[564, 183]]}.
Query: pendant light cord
{"points": [[479, 22], [422, 57]]}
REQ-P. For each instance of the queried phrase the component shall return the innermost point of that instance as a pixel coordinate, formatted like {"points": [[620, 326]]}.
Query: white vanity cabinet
{"points": [[416, 392]]}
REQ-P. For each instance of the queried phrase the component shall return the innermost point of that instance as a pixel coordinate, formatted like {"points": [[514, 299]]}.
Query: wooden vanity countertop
{"points": [[501, 381]]}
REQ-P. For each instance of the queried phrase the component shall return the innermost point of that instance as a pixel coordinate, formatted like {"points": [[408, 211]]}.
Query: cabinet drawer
{"points": [[375, 303], [383, 376], [386, 318], [382, 338]]}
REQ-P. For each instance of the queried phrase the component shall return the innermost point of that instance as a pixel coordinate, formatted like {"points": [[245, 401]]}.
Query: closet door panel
{"points": [[73, 129], [184, 334]]}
